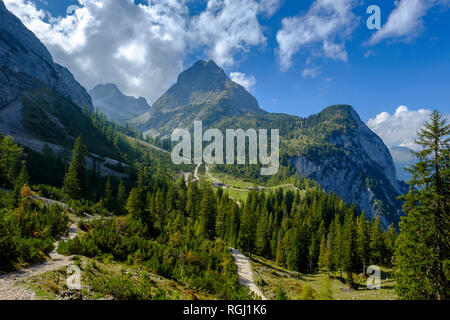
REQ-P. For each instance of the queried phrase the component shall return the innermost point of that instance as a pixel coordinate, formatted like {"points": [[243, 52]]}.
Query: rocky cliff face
{"points": [[115, 105], [354, 163], [202, 92], [22, 52]]}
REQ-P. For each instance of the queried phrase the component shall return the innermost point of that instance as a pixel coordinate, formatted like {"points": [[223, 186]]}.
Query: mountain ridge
{"points": [[116, 105], [22, 52], [202, 92]]}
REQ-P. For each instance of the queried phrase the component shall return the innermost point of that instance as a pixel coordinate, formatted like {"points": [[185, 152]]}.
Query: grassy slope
{"points": [[49, 285], [269, 277], [239, 188]]}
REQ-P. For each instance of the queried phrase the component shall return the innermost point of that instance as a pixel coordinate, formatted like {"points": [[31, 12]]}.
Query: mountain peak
{"points": [[202, 92], [115, 105], [205, 83], [203, 71]]}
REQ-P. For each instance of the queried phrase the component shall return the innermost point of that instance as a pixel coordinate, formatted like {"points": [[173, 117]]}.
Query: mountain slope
{"points": [[115, 105], [336, 149], [22, 52], [202, 92], [40, 101], [333, 147]]}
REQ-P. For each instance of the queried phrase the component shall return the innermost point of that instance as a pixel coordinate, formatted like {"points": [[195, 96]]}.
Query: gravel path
{"points": [[11, 285], [245, 273]]}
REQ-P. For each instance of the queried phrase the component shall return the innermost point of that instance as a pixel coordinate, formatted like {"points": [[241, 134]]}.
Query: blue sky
{"points": [[267, 45]]}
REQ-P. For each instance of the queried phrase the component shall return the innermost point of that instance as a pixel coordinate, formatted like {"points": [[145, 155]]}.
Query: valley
{"points": [[89, 182]]}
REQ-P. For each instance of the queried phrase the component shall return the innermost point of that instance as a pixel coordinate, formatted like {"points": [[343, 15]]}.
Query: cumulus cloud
{"points": [[142, 48], [406, 21], [324, 29], [227, 27], [248, 82], [399, 129], [269, 7]]}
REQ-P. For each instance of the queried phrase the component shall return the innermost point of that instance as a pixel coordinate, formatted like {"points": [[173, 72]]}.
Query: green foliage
{"points": [[75, 179], [281, 294], [51, 192], [27, 231], [423, 247], [308, 293], [10, 164]]}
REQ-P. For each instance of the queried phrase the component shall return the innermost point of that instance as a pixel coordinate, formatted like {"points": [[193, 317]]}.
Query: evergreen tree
{"points": [[363, 240], [75, 179], [108, 195], [72, 184], [207, 219], [376, 243], [121, 198], [10, 154], [324, 255], [22, 179], [137, 203], [423, 253], [350, 248]]}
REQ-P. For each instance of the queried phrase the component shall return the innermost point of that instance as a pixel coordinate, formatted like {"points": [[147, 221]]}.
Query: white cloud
{"points": [[399, 129], [248, 82], [311, 72], [369, 53], [143, 48], [324, 28], [228, 27], [140, 48], [406, 21], [269, 7]]}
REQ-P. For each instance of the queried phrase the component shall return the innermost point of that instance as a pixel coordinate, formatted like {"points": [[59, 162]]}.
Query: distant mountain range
{"points": [[115, 105], [403, 157], [334, 147], [40, 102]]}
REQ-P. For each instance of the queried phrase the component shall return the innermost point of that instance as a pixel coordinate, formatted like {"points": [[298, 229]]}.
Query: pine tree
{"points": [[22, 179], [121, 198], [389, 243], [363, 240], [208, 213], [72, 184], [376, 243], [247, 232], [423, 252], [136, 204], [75, 179], [10, 154], [324, 256], [108, 195], [350, 248]]}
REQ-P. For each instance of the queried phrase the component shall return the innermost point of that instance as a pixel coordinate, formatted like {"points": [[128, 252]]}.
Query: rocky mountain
{"points": [[403, 157], [202, 92], [346, 157], [115, 105], [41, 102], [22, 52], [336, 149]]}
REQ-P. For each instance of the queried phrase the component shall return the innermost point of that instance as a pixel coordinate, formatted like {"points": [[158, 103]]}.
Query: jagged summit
{"points": [[202, 92]]}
